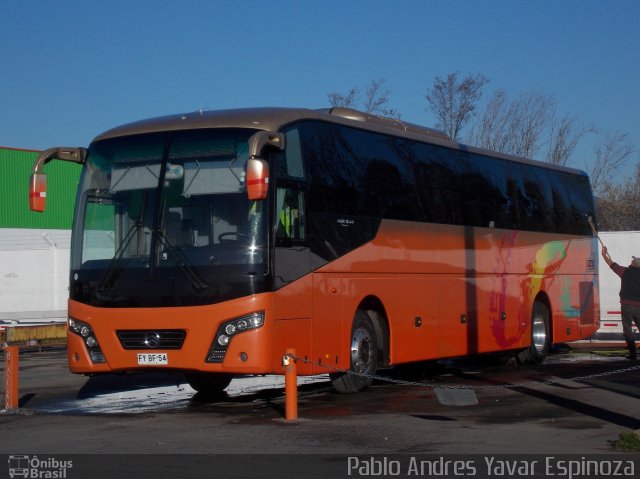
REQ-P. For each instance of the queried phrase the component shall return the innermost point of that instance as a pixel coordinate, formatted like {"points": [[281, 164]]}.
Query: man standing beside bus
{"points": [[629, 298]]}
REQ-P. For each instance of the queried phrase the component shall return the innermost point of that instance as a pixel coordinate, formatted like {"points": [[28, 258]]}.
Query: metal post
{"points": [[11, 358], [290, 386]]}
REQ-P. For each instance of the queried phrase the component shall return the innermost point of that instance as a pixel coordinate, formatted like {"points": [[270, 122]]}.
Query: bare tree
{"points": [[610, 155], [618, 205], [344, 100], [454, 101], [513, 126], [491, 130], [375, 101], [564, 136], [529, 115]]}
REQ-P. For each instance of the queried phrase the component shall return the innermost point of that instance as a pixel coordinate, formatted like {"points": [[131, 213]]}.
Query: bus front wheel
{"points": [[208, 384], [363, 351], [540, 335]]}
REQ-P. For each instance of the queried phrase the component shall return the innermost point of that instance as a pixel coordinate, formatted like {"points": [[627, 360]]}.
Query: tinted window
{"points": [[361, 173], [354, 172]]}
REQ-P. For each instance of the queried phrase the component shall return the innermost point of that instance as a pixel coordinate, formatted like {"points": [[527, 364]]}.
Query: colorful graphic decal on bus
{"points": [[548, 261], [575, 293], [546, 265]]}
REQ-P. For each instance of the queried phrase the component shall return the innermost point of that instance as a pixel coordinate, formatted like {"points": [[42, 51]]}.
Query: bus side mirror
{"points": [[257, 179], [37, 192], [38, 180]]}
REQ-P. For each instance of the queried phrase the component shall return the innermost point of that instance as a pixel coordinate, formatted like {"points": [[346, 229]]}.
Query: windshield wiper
{"points": [[116, 262], [182, 263]]}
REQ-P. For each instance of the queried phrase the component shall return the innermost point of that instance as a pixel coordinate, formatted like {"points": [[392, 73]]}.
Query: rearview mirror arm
{"points": [[261, 139], [75, 155]]}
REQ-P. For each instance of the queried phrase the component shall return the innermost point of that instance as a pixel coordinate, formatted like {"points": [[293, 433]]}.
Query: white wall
{"points": [[34, 274]]}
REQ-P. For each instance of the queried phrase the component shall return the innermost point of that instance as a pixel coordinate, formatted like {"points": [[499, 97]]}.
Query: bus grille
{"points": [[152, 338]]}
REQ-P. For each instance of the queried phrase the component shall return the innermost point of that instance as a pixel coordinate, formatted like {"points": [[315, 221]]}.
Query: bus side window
{"points": [[291, 214], [292, 165]]}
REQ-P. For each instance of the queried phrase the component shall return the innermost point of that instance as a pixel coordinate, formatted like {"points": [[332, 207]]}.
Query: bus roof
{"points": [[272, 119], [275, 118]]}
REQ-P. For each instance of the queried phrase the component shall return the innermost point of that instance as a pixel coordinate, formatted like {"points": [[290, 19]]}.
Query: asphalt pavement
{"points": [[577, 402]]}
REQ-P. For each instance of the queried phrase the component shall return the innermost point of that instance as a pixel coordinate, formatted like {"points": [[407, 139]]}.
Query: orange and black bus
{"points": [[214, 241]]}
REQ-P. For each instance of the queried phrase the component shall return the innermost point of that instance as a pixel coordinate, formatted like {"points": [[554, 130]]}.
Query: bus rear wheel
{"points": [[363, 351], [208, 384], [540, 336]]}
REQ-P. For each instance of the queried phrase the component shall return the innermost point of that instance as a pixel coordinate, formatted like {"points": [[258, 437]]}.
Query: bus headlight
{"points": [[85, 331], [228, 330]]}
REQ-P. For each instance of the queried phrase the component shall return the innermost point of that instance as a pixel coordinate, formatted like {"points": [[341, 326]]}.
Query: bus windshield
{"points": [[164, 220]]}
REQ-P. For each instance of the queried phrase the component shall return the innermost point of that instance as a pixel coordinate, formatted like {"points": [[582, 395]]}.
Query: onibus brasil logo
{"points": [[38, 468]]}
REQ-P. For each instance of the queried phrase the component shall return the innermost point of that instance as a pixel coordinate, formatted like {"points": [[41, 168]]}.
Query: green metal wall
{"points": [[62, 183]]}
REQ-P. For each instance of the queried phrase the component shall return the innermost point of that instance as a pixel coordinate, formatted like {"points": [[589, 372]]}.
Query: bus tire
{"points": [[208, 384], [363, 352], [540, 336]]}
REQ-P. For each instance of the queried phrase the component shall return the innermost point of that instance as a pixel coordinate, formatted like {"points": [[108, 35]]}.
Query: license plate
{"points": [[153, 359]]}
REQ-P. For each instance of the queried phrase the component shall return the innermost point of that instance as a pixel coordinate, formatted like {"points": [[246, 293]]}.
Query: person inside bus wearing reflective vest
{"points": [[629, 297], [289, 226]]}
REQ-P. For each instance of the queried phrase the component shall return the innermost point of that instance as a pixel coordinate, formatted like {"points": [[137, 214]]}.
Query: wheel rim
{"points": [[539, 333], [361, 354]]}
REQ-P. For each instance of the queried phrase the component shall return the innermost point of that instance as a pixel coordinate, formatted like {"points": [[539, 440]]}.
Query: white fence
{"points": [[34, 275]]}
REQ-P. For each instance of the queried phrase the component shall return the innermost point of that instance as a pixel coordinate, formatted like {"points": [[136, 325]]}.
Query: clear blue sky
{"points": [[72, 69]]}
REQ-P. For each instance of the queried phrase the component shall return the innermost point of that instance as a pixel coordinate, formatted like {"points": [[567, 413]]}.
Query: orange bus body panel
{"points": [[472, 290], [200, 323], [446, 291]]}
